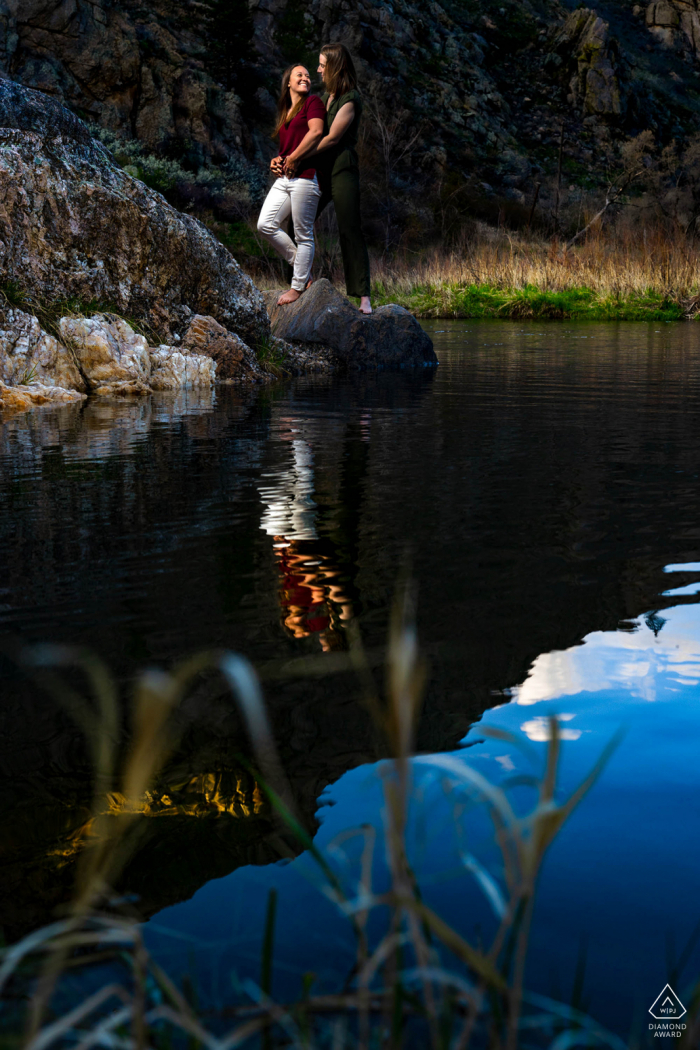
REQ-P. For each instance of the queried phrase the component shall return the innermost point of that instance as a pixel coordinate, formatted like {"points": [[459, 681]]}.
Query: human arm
{"points": [[307, 145], [343, 119]]}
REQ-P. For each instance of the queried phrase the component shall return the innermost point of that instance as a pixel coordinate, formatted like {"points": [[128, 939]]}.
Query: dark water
{"points": [[539, 485]]}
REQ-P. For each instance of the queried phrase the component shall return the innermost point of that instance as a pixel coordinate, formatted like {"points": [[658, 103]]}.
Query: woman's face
{"points": [[300, 81], [322, 66]]}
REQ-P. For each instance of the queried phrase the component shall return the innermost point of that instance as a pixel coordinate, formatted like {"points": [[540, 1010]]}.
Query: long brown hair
{"points": [[340, 76], [285, 99]]}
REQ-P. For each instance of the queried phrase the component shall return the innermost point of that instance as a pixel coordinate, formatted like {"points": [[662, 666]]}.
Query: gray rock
{"points": [[389, 338], [72, 223]]}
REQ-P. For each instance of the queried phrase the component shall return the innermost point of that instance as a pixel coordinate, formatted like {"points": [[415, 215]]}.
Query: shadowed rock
{"points": [[206, 336], [584, 45], [391, 337]]}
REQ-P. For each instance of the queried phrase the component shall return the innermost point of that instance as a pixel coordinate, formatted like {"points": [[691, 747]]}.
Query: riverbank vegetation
{"points": [[625, 278], [415, 980], [500, 274]]}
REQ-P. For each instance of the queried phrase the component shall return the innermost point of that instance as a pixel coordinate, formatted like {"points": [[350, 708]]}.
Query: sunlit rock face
{"points": [[111, 355], [74, 224], [29, 355], [117, 360]]}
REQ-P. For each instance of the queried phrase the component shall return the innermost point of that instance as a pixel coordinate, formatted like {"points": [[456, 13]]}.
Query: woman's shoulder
{"points": [[350, 96], [314, 106]]}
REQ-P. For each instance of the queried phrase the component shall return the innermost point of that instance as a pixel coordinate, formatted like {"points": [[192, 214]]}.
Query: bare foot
{"points": [[365, 305], [289, 297], [309, 283]]}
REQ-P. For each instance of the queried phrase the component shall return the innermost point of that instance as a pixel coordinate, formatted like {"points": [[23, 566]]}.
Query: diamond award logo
{"points": [[668, 1006]]}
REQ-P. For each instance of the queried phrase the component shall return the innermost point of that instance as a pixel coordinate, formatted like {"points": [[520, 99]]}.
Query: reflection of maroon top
{"points": [[291, 134]]}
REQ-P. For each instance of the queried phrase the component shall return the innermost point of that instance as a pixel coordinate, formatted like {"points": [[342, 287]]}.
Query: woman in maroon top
{"points": [[300, 125]]}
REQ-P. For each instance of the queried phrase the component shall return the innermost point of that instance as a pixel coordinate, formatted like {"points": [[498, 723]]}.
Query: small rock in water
{"points": [[20, 398]]}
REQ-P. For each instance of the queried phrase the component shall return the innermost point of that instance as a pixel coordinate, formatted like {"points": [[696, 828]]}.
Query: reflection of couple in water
{"points": [[317, 164], [312, 592]]}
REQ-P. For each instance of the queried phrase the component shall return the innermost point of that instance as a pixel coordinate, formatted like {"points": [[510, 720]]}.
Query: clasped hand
{"points": [[286, 166]]}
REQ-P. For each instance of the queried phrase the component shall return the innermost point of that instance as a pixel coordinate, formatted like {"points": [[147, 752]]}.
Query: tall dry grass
{"points": [[625, 263]]}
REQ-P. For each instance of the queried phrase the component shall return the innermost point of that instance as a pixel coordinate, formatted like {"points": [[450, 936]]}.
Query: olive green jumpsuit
{"points": [[339, 179]]}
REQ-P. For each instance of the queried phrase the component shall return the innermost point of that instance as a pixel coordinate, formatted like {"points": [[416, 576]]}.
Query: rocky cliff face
{"points": [[483, 84]]}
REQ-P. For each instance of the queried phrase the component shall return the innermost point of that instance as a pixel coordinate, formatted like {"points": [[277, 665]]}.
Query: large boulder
{"points": [[389, 338], [74, 224]]}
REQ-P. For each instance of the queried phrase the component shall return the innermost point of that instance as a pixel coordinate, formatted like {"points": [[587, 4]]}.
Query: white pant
{"points": [[299, 197]]}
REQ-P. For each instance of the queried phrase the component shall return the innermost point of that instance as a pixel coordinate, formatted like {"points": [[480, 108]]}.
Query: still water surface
{"points": [[543, 485]]}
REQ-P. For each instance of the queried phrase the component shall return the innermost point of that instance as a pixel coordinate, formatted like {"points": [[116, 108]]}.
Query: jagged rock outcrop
{"points": [[583, 44], [389, 338], [173, 370], [30, 356], [117, 360], [207, 336], [72, 223], [111, 356]]}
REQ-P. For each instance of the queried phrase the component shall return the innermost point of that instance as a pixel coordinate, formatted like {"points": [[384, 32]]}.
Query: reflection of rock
{"points": [[583, 44], [74, 224], [20, 398], [28, 355], [389, 338]]}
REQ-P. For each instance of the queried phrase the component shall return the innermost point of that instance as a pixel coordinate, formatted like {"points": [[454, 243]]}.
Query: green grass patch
{"points": [[270, 355], [485, 300]]}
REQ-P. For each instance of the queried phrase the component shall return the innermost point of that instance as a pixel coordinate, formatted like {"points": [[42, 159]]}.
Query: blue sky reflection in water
{"points": [[543, 478], [620, 885]]}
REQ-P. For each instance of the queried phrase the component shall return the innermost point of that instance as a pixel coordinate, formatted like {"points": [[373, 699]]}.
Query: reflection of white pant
{"points": [[287, 494], [300, 198]]}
